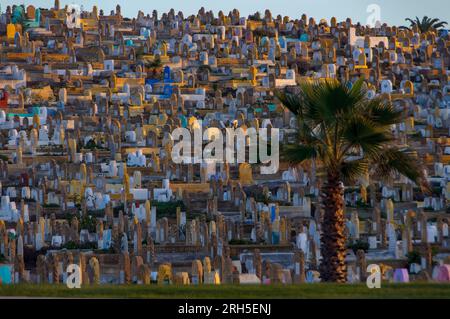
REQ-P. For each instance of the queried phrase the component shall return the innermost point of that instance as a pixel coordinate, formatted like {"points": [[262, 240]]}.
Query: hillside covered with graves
{"points": [[90, 101]]}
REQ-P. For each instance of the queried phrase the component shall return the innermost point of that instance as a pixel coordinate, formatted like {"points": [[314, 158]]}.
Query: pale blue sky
{"points": [[392, 11]]}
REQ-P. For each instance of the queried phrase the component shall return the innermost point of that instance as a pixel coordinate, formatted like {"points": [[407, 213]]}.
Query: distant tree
{"points": [[256, 16], [426, 24]]}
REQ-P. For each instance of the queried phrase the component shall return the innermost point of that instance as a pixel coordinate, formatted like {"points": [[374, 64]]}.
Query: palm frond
{"points": [[440, 25], [314, 107], [433, 21], [361, 133], [401, 161], [337, 122], [291, 101], [325, 103], [351, 171], [296, 154], [382, 112], [404, 28], [426, 24]]}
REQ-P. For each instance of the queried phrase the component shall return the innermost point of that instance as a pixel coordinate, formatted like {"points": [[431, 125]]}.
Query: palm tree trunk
{"points": [[333, 242]]}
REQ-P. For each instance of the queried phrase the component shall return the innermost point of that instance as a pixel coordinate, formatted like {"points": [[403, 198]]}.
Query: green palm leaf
{"points": [[291, 101], [402, 161], [298, 153], [427, 24], [353, 170], [362, 133], [382, 112]]}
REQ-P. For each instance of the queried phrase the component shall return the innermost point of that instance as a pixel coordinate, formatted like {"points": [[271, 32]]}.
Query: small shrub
{"points": [[166, 209], [359, 245], [89, 222], [413, 257]]}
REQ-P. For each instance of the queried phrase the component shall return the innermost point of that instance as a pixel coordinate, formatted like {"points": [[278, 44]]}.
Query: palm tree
{"points": [[426, 24], [348, 136], [256, 16]]}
